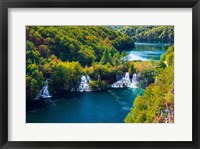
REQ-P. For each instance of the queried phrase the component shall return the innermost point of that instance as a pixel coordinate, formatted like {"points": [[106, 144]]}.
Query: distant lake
{"points": [[147, 51]]}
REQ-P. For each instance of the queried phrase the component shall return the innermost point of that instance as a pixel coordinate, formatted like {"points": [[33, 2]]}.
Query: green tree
{"points": [[106, 57]]}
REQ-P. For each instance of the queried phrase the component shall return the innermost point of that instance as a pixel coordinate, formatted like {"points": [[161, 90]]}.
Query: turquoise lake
{"points": [[108, 106], [147, 51]]}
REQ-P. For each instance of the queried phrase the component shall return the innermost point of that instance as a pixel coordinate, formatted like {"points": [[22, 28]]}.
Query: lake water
{"points": [[147, 51], [107, 106]]}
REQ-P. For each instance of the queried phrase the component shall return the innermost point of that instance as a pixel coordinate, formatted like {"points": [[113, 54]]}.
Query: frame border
{"points": [[5, 4]]}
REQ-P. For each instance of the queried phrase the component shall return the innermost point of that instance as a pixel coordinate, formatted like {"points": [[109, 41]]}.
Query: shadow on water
{"points": [[107, 106]]}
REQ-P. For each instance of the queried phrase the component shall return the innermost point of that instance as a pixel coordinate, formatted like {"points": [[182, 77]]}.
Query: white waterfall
{"points": [[135, 79], [84, 84], [44, 92], [125, 81]]}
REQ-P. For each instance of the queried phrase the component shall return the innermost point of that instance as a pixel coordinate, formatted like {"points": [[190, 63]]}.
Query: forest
{"points": [[63, 54], [152, 34]]}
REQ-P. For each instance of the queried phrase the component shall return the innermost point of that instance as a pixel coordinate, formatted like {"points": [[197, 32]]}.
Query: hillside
{"points": [[157, 102], [151, 34], [64, 53]]}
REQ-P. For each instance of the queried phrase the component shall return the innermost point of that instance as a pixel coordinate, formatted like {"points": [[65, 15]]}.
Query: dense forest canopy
{"points": [[152, 34], [76, 43], [64, 53]]}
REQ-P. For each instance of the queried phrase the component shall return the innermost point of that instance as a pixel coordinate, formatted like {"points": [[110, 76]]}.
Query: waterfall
{"points": [[125, 81], [84, 84], [44, 92], [134, 79]]}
